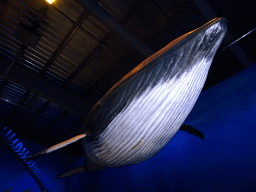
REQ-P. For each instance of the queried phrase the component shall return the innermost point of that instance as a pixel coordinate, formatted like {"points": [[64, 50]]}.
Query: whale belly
{"points": [[149, 122]]}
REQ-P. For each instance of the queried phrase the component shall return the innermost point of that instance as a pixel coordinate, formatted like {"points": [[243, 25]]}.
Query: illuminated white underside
{"points": [[150, 121]]}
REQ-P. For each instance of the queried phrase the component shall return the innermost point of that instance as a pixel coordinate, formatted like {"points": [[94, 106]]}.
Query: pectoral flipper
{"points": [[192, 130]]}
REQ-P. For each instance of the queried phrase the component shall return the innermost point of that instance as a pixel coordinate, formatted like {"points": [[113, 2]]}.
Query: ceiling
{"points": [[86, 46]]}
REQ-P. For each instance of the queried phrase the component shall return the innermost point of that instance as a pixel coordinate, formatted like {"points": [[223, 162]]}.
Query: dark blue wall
{"points": [[224, 161], [14, 175]]}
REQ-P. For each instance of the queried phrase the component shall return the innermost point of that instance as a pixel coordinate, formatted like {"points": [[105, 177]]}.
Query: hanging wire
{"points": [[238, 39]]}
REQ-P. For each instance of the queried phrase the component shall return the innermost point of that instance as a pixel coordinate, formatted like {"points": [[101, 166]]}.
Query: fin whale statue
{"points": [[139, 115]]}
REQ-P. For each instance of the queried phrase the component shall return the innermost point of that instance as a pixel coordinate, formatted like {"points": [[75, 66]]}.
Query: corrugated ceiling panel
{"points": [[66, 64], [58, 79], [85, 41], [69, 7], [45, 47], [58, 22], [83, 44], [59, 70], [13, 92], [9, 22], [116, 8], [92, 73], [27, 62], [38, 104], [85, 84], [32, 4], [99, 65], [29, 99], [34, 58], [95, 27], [87, 76], [53, 30], [137, 28], [71, 54], [15, 12], [106, 59], [115, 73], [118, 45], [8, 44]]}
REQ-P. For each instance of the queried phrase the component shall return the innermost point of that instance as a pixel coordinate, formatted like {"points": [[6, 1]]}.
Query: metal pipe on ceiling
{"points": [[121, 30]]}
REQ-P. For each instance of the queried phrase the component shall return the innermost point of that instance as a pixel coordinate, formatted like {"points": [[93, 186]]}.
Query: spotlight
{"points": [[50, 1]]}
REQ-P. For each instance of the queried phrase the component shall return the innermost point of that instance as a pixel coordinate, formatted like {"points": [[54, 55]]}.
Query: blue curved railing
{"points": [[16, 146]]}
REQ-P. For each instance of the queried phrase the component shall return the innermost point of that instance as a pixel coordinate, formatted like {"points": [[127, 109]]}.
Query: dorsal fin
{"points": [[89, 166], [58, 146]]}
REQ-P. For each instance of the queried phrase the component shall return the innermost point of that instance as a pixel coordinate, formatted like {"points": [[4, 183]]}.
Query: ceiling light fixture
{"points": [[50, 1]]}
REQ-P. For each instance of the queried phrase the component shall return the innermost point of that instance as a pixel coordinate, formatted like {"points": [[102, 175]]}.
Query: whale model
{"points": [[139, 115]]}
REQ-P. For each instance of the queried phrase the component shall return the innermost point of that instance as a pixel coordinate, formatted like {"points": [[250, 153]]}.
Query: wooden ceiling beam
{"points": [[126, 18], [113, 24], [86, 61], [65, 40], [35, 98]]}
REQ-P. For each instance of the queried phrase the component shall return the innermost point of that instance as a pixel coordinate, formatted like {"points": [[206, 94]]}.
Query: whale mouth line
{"points": [[210, 23]]}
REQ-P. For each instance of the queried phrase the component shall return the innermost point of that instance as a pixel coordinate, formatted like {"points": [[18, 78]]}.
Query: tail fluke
{"points": [[57, 146], [73, 172]]}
